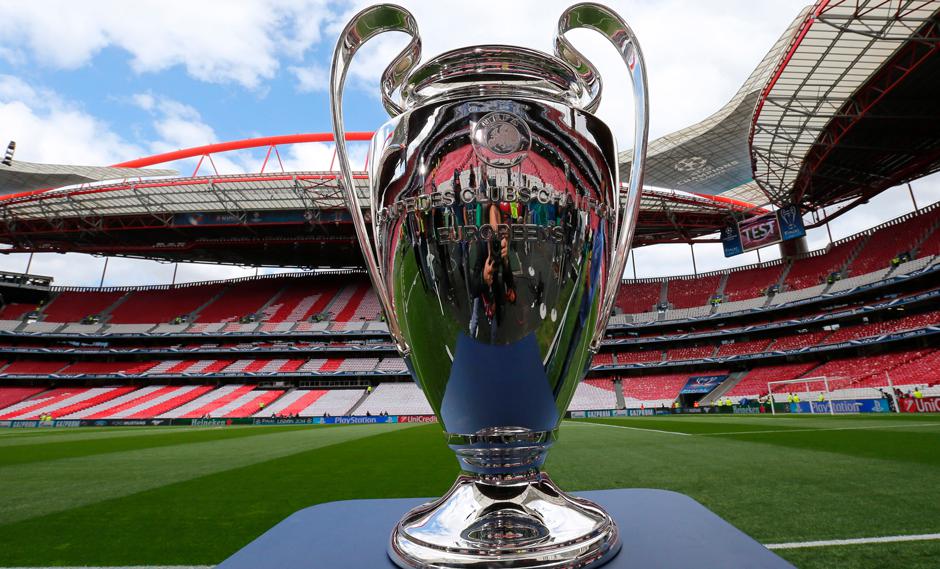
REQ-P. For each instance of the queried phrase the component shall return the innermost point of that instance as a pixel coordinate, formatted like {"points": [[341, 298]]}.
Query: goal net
{"points": [[817, 391]]}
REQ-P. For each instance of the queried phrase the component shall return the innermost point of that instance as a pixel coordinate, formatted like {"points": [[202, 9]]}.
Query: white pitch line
{"points": [[681, 434], [784, 430], [858, 541]]}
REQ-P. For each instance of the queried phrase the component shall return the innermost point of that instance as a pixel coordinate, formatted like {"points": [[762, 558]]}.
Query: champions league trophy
{"points": [[498, 242]]}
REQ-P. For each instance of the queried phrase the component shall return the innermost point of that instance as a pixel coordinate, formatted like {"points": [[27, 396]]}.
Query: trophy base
{"points": [[527, 523]]}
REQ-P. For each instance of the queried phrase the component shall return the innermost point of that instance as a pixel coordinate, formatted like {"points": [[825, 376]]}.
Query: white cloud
{"points": [[697, 53], [48, 128], [311, 78], [215, 40]]}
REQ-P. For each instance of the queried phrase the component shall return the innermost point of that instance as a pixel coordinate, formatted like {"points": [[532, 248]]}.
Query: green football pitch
{"points": [[193, 496]]}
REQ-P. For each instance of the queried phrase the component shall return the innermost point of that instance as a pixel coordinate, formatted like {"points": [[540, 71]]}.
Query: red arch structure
{"points": [[271, 142]]}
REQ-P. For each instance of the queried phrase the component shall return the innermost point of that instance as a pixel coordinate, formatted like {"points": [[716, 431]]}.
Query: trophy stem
{"points": [[527, 523]]}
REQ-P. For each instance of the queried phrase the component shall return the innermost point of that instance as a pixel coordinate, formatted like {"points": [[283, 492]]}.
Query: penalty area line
{"points": [[856, 541], [681, 434]]}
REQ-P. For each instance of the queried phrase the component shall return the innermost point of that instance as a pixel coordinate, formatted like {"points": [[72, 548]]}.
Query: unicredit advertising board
{"points": [[925, 405]]}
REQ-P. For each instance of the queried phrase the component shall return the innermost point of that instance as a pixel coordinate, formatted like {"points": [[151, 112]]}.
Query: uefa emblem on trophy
{"points": [[498, 238]]}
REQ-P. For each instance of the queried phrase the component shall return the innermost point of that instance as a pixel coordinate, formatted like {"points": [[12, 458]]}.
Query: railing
{"points": [[134, 288]]}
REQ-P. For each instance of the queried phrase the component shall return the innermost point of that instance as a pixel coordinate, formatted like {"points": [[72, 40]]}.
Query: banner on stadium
{"points": [[603, 413], [57, 423], [731, 240], [417, 419], [702, 384], [925, 405], [124, 422], [759, 231], [202, 219], [842, 406], [784, 224], [790, 222]]}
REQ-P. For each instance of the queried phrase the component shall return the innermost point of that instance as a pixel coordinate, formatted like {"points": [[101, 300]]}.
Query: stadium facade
{"points": [[833, 115]]}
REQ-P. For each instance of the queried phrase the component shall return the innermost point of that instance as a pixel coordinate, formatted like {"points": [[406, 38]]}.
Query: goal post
{"points": [[806, 382]]}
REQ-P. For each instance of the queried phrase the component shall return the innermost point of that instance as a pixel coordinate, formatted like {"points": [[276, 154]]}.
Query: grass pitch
{"points": [[188, 496]]}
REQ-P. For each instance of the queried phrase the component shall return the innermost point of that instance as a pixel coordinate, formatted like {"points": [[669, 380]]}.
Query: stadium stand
{"points": [[594, 394], [688, 293], [755, 382], [244, 299], [639, 297], [248, 403], [752, 282], [690, 352], [292, 403], [162, 305], [334, 402], [799, 340], [13, 395], [43, 367], [738, 348], [813, 269], [653, 390], [16, 311], [61, 401], [892, 240], [72, 306], [157, 406], [395, 399]]}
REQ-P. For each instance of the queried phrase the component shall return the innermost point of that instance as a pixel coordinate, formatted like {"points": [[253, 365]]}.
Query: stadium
{"points": [[171, 424]]}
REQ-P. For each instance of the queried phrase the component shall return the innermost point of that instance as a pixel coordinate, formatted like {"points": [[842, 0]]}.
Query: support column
{"points": [[910, 190], [104, 271], [694, 265], [29, 263], [794, 247]]}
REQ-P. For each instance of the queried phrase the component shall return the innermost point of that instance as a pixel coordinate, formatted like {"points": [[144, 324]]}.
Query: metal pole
{"points": [[633, 258], [910, 190], [812, 410], [770, 395], [829, 231], [103, 272], [694, 266], [176, 267], [29, 263], [832, 410], [897, 408], [758, 257]]}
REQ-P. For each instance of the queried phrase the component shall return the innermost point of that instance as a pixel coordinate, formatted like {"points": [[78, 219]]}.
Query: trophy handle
{"points": [[364, 26], [610, 25]]}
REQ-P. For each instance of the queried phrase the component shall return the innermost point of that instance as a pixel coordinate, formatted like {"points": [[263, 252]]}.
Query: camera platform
{"points": [[658, 528]]}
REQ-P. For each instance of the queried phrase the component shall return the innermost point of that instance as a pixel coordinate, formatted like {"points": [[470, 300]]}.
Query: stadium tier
{"points": [[310, 344]]}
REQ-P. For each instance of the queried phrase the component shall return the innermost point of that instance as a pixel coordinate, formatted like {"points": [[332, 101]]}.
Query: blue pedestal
{"points": [[659, 529]]}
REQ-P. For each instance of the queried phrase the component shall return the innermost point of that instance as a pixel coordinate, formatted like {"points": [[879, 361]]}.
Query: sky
{"points": [[102, 81]]}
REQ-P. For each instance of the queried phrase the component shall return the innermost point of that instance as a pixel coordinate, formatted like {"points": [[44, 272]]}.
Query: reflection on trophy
{"points": [[498, 239]]}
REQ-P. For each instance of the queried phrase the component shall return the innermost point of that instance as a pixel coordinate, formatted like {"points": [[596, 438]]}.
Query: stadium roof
{"points": [[19, 176], [852, 106], [711, 157]]}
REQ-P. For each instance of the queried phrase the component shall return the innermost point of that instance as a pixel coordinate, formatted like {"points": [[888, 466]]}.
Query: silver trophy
{"points": [[498, 241]]}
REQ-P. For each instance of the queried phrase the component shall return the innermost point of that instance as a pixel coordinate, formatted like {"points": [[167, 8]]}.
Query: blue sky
{"points": [[102, 81]]}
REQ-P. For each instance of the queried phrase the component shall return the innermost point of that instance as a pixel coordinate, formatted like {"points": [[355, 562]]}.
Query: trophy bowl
{"points": [[499, 234]]}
